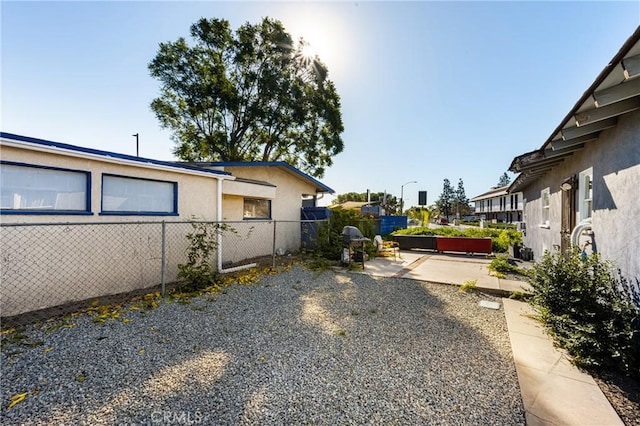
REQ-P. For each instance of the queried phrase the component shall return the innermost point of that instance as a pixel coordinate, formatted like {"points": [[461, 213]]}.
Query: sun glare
{"points": [[323, 34], [309, 52]]}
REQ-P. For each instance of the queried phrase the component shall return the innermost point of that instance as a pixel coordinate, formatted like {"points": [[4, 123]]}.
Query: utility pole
{"points": [[137, 147]]}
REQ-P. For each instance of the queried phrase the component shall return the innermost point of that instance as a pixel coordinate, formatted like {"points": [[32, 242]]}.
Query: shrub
{"points": [[590, 311], [329, 242]]}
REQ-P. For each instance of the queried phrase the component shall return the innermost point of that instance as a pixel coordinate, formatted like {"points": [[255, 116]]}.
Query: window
{"points": [[585, 186], [545, 195], [31, 189], [257, 208], [134, 196]]}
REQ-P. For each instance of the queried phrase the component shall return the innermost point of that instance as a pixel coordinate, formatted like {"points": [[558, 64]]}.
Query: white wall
{"points": [[615, 158]]}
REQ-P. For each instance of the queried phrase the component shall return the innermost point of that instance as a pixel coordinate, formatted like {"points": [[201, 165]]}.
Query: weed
{"points": [[502, 265], [517, 295], [468, 285], [198, 272]]}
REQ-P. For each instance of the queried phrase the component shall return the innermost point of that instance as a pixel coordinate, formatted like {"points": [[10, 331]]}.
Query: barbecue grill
{"points": [[352, 237]]}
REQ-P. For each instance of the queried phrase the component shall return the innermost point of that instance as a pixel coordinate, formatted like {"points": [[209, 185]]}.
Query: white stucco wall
{"points": [[615, 158]]}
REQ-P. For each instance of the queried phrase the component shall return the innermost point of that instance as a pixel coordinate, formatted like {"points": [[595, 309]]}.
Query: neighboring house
{"points": [[582, 186], [54, 183], [267, 191], [499, 205], [47, 183]]}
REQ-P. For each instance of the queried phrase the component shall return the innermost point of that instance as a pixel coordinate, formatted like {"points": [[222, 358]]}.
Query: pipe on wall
{"points": [[219, 235], [579, 228]]}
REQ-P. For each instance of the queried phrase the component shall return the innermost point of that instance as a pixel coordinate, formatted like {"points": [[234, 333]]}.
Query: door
{"points": [[568, 213]]}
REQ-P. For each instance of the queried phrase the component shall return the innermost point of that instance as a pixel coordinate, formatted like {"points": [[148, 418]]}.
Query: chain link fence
{"points": [[48, 270]]}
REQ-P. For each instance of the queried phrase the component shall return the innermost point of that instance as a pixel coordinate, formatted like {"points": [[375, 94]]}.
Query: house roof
{"points": [[494, 192], [614, 92], [10, 139], [320, 187]]}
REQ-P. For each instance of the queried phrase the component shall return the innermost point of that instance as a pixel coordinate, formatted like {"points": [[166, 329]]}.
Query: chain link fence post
{"points": [[163, 266], [273, 251]]}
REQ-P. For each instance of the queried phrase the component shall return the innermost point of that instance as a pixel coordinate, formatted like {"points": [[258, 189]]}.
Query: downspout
{"points": [[219, 236], [219, 221]]}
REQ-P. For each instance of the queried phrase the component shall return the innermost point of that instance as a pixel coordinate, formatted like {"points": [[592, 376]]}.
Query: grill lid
{"points": [[351, 234]]}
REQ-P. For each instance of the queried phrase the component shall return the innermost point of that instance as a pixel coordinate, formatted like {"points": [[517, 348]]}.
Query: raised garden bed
{"points": [[408, 242], [442, 244], [464, 244]]}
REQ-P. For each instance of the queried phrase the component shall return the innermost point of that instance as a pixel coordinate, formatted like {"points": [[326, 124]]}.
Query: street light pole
{"points": [[402, 195]]}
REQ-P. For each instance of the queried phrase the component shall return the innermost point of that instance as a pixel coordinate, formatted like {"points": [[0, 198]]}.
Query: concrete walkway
{"points": [[554, 392], [442, 269]]}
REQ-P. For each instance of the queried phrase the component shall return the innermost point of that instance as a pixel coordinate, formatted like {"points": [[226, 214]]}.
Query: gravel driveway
{"points": [[301, 347]]}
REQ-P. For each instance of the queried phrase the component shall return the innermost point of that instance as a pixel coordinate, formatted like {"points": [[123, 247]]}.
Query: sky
{"points": [[429, 90]]}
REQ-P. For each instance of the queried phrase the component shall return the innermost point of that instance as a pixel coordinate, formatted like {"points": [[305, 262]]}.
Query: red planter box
{"points": [[464, 244]]}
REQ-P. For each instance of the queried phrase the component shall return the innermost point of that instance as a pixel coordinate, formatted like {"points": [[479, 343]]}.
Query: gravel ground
{"points": [[301, 347]]}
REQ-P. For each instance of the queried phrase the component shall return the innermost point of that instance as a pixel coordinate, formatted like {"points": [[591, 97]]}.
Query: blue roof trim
{"points": [[76, 148], [284, 164]]}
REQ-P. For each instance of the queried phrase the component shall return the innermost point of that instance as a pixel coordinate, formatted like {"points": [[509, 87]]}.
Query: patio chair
{"points": [[385, 248]]}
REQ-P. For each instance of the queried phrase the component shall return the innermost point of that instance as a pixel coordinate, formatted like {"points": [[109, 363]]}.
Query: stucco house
{"points": [[113, 207], [582, 186], [499, 205], [265, 191]]}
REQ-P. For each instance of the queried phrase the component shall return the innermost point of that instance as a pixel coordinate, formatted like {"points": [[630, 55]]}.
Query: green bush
{"points": [[500, 239], [592, 313], [329, 242]]}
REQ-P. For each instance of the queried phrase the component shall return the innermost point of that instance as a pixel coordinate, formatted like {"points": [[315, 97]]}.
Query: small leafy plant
{"points": [[501, 266], [198, 272], [468, 285]]}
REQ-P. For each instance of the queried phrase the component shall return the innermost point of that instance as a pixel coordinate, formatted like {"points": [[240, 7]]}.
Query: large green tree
{"points": [[248, 95]]}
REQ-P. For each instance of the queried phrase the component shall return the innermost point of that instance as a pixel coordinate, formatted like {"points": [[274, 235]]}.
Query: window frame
{"points": [[583, 199], [545, 210], [269, 201], [104, 212], [87, 187]]}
